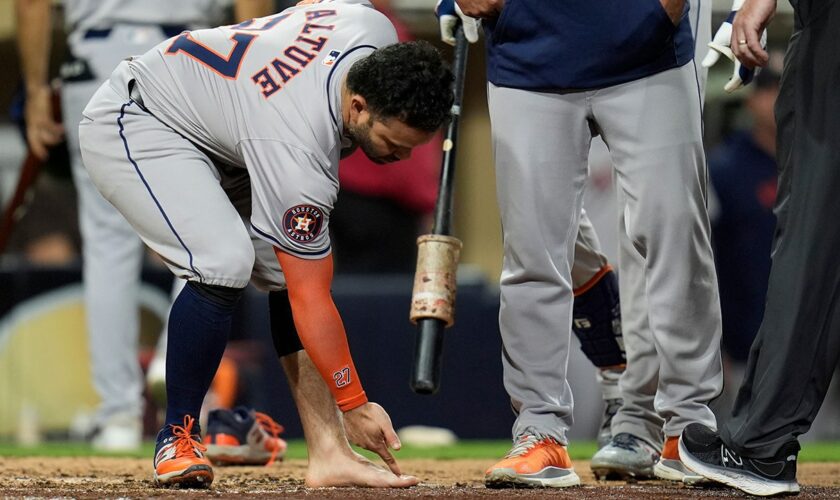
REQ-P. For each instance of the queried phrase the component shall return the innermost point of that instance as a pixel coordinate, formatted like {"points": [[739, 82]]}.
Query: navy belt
{"points": [[169, 30]]}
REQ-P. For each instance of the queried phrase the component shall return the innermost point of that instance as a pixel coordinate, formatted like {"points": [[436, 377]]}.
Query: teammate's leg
{"points": [[659, 158], [596, 320], [112, 254], [637, 428], [540, 174], [637, 417], [111, 259]]}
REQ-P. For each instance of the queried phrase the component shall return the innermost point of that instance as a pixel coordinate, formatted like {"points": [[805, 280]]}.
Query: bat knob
{"points": [[428, 350], [424, 387]]}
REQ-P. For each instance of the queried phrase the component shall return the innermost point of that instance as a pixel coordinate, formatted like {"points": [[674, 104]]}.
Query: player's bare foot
{"points": [[344, 470]]}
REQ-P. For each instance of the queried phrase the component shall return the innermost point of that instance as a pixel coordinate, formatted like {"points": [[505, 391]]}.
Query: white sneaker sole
{"points": [[662, 470], [743, 481], [550, 477], [621, 473]]}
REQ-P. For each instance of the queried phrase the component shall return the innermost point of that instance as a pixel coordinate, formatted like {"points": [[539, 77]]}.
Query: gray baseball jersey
{"points": [[265, 95]]}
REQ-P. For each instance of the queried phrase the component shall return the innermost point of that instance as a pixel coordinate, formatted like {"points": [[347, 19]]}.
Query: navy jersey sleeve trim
{"points": [[277, 243], [332, 71]]}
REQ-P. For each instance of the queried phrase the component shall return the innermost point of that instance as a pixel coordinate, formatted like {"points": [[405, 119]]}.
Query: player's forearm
{"points": [[250, 9], [34, 27], [319, 326], [323, 337]]}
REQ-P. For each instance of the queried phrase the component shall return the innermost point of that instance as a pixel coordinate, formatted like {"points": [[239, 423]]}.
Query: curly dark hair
{"points": [[408, 81]]}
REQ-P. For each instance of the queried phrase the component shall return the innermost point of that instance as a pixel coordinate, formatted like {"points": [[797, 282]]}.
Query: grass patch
{"points": [[471, 449], [823, 451]]}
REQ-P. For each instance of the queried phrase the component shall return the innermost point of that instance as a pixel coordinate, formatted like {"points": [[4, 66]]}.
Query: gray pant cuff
{"points": [[543, 427]]}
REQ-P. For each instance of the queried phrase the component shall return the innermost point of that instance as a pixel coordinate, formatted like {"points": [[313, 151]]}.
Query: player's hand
{"points": [[369, 427], [749, 36], [721, 44], [450, 14], [674, 9], [41, 130]]}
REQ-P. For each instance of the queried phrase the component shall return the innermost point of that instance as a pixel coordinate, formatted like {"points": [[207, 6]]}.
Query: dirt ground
{"points": [[131, 478]]}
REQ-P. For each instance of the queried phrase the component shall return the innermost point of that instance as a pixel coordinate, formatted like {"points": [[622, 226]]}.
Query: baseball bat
{"points": [[14, 210], [28, 175], [428, 349]]}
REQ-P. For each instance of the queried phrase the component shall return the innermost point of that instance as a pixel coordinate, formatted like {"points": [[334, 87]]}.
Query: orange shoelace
{"points": [[184, 442], [271, 427]]}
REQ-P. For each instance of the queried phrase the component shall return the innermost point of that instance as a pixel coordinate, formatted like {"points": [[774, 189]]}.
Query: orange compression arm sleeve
{"points": [[319, 326]]}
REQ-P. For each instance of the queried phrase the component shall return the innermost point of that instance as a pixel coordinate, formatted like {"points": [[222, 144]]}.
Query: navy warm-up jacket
{"points": [[583, 44]]}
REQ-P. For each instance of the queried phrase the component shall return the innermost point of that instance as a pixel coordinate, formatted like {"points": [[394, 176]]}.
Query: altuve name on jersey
{"points": [[294, 58]]}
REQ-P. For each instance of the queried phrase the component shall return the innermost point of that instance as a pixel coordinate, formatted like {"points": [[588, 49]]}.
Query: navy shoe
{"points": [[703, 451], [243, 437]]}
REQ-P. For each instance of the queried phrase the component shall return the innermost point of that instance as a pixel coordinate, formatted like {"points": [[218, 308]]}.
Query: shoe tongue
{"points": [[170, 439], [242, 414], [626, 441], [523, 444]]}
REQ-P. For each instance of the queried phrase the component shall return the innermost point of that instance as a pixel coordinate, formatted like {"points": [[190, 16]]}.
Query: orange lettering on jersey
{"points": [[316, 44], [315, 14], [271, 77]]}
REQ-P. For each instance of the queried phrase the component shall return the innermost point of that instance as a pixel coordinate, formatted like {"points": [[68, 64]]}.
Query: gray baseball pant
{"points": [[653, 129]]}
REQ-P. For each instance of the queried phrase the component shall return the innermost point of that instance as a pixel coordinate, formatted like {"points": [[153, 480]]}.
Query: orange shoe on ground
{"points": [[534, 461], [670, 467], [180, 460], [243, 437]]}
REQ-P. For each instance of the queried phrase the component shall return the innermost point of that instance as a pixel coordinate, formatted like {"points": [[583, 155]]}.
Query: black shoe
{"points": [[702, 451]]}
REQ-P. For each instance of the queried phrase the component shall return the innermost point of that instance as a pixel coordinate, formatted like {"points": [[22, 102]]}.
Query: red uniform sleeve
{"points": [[319, 326]]}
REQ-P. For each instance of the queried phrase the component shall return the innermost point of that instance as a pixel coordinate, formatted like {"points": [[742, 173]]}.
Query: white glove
{"points": [[721, 44], [450, 14]]}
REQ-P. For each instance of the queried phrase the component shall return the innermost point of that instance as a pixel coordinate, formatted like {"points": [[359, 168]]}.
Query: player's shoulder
{"points": [[369, 21]]}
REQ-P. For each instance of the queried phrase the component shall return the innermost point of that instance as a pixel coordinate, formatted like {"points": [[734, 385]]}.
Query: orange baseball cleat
{"points": [[534, 461], [243, 437], [670, 467], [180, 459]]}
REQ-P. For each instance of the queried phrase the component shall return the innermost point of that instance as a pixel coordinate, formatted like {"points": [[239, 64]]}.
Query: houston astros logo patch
{"points": [[302, 223]]}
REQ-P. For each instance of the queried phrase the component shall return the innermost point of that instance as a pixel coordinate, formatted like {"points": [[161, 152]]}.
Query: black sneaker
{"points": [[703, 451]]}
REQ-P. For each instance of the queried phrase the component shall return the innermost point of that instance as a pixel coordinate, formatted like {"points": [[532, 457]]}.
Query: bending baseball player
{"points": [[221, 149], [100, 35]]}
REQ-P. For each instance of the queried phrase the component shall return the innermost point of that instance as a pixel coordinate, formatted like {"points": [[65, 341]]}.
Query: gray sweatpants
{"points": [[653, 129]]}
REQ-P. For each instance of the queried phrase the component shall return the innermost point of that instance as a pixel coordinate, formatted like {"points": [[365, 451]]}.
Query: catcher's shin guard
{"points": [[597, 319]]}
